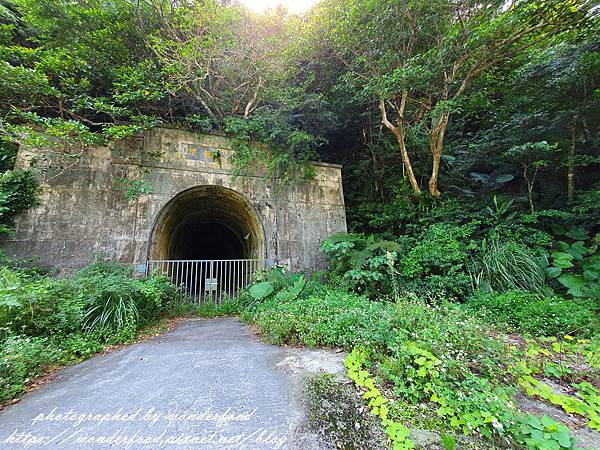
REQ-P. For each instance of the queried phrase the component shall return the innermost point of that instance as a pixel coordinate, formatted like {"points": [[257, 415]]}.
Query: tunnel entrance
{"points": [[209, 240], [195, 239]]}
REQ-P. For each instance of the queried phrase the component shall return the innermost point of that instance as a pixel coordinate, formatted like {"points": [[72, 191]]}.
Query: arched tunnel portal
{"points": [[207, 234]]}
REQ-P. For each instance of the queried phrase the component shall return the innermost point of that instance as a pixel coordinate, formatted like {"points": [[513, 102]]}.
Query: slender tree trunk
{"points": [[530, 196], [410, 174], [436, 145], [398, 131], [529, 182], [571, 167], [433, 179]]}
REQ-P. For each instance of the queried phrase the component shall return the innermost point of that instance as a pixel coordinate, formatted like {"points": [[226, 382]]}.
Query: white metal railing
{"points": [[207, 280]]}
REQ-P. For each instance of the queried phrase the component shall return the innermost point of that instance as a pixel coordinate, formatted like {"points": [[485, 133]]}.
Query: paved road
{"points": [[207, 384]]}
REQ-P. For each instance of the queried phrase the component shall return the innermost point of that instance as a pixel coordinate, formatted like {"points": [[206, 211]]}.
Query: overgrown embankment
{"points": [[446, 366]]}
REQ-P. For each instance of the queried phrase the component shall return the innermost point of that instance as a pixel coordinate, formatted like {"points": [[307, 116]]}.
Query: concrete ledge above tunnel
{"points": [[207, 222]]}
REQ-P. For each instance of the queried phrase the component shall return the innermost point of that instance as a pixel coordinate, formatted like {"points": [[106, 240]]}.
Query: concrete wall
{"points": [[83, 214]]}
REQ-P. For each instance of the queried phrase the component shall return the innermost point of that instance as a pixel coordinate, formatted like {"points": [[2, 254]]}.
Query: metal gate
{"points": [[207, 280]]}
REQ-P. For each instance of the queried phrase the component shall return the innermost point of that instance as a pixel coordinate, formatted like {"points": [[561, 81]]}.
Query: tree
{"points": [[550, 96], [223, 57], [532, 156], [417, 59]]}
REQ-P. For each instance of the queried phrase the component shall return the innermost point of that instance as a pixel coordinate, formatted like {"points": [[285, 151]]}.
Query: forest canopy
{"points": [[462, 98]]}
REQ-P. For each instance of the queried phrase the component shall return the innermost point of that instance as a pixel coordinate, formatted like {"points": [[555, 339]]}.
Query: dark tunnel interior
{"points": [[197, 239]]}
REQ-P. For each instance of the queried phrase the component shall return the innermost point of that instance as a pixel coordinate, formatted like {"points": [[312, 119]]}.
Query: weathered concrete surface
{"points": [[241, 393], [83, 214]]}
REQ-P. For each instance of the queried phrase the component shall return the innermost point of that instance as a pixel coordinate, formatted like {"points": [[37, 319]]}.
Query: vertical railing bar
{"points": [[200, 279], [220, 285], [206, 276], [210, 276], [224, 277], [218, 277], [203, 280], [241, 284], [187, 279], [232, 278], [227, 264], [235, 278], [229, 279], [179, 275], [193, 295], [243, 274], [186, 270], [177, 283]]}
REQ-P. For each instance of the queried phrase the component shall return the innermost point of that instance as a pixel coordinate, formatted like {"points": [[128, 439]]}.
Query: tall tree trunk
{"points": [[571, 167], [398, 131], [436, 145]]}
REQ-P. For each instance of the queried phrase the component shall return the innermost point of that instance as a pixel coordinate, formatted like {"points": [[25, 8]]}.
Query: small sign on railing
{"points": [[211, 285]]}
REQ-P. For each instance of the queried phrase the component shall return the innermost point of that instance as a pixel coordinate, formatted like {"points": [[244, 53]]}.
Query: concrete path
{"points": [[207, 384]]}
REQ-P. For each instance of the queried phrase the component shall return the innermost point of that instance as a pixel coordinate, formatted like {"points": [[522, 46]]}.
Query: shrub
{"points": [[22, 358], [360, 262], [38, 306], [506, 266], [335, 318], [530, 313], [439, 354], [118, 302], [433, 264], [45, 322], [101, 295], [436, 264]]}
